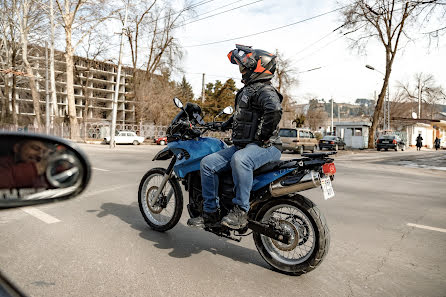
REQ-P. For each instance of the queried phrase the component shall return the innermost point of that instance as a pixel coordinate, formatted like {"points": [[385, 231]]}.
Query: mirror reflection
{"points": [[228, 110], [34, 168], [178, 102]]}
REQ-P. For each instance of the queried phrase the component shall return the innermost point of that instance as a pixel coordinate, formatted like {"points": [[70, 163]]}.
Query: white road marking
{"points": [[40, 215], [426, 227], [100, 169], [108, 190]]}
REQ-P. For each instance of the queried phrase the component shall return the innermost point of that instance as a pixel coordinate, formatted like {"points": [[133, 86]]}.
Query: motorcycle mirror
{"points": [[228, 110], [178, 102], [37, 169]]}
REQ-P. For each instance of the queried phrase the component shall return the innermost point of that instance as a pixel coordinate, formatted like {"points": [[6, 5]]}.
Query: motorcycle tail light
{"points": [[329, 168]]}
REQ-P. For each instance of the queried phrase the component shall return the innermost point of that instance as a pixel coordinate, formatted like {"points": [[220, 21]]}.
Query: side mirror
{"points": [[178, 102], [228, 110], [36, 169]]}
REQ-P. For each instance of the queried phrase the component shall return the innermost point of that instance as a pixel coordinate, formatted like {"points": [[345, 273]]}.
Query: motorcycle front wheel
{"points": [[308, 231], [163, 213]]}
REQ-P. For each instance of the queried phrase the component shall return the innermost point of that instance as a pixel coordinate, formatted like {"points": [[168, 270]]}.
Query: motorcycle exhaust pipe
{"points": [[309, 181]]}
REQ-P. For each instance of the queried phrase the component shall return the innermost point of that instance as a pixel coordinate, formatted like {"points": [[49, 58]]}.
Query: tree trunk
{"points": [[5, 99], [55, 110], [379, 104], [15, 120], [32, 84], [69, 53], [24, 29]]}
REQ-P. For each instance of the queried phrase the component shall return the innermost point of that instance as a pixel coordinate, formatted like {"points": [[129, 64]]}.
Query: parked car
{"points": [[298, 140], [331, 143], [124, 137], [161, 140], [390, 142]]}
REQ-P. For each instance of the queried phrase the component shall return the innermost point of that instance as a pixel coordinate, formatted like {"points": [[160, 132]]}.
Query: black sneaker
{"points": [[236, 219], [209, 219]]}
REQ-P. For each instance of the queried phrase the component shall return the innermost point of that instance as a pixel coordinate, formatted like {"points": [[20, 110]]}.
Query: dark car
{"points": [[331, 143], [390, 142]]}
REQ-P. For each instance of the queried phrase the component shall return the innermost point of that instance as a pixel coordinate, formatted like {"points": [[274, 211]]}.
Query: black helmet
{"points": [[260, 64]]}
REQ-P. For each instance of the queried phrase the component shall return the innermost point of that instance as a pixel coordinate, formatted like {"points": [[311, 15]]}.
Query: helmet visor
{"points": [[241, 57]]}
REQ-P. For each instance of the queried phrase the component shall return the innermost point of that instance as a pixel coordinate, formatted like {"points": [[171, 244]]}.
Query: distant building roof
{"points": [[356, 124]]}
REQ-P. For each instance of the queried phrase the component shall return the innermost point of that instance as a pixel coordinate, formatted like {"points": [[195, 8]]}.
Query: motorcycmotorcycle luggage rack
{"points": [[305, 177], [308, 161]]}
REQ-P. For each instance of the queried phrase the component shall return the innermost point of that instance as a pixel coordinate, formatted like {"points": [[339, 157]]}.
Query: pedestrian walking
{"points": [[419, 142], [437, 143]]}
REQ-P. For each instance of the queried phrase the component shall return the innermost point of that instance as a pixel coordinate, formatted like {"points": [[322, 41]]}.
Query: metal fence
{"points": [[100, 130]]}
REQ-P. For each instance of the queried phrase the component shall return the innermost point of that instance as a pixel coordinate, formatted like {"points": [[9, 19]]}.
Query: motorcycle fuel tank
{"points": [[190, 152]]}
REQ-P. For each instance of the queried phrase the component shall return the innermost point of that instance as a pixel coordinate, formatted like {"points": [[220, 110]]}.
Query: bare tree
{"points": [[424, 95], [30, 19], [284, 78], [153, 45], [78, 17], [11, 47], [387, 21]]}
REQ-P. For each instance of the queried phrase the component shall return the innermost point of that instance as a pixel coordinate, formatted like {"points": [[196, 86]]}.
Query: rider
{"points": [[254, 134]]}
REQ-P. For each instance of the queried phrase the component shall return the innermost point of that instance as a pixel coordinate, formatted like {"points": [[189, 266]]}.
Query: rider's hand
{"points": [[216, 126]]}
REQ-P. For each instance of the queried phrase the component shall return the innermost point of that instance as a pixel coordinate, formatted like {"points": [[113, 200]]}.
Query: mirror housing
{"points": [[37, 169], [178, 102], [228, 110]]}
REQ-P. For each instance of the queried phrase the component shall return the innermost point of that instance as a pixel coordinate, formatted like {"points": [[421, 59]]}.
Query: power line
{"points": [[270, 30], [217, 13]]}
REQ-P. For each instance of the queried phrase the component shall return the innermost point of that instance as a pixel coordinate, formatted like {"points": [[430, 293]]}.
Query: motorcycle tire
{"points": [[153, 213], [306, 217]]}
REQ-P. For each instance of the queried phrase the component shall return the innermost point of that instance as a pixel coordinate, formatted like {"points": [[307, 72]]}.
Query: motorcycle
{"points": [[289, 231]]}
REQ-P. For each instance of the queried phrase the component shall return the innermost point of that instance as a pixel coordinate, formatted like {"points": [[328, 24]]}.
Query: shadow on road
{"points": [[184, 241]]}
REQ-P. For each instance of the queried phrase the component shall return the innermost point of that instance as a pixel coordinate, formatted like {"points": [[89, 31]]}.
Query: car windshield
{"points": [[288, 133], [387, 137], [329, 138]]}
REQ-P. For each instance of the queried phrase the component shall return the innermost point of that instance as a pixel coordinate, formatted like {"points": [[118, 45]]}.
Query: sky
{"points": [[342, 74]]}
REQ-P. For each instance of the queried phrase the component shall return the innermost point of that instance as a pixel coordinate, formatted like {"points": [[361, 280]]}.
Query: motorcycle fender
{"points": [[163, 154]]}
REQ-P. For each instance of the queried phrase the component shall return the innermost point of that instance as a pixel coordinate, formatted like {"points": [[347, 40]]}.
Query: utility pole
{"points": [[332, 128], [47, 104], [339, 114], [388, 107], [419, 98], [202, 90], [118, 77]]}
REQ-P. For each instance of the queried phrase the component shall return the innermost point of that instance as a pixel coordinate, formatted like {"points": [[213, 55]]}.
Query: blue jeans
{"points": [[243, 162]]}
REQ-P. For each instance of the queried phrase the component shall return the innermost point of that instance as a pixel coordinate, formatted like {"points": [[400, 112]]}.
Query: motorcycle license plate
{"points": [[327, 188]]}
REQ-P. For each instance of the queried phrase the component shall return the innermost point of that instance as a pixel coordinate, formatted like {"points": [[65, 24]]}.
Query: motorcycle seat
{"points": [[275, 165]]}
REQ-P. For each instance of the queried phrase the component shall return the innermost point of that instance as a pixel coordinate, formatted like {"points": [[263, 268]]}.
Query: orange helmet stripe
{"points": [[260, 68]]}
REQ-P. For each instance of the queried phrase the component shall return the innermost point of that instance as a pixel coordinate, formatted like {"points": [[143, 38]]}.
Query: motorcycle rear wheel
{"points": [[310, 237], [166, 212]]}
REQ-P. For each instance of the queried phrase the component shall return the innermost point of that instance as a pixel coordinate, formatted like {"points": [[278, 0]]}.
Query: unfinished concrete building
{"points": [[94, 87]]}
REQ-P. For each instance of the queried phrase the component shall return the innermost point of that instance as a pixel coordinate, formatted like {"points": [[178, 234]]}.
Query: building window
{"points": [[358, 132]]}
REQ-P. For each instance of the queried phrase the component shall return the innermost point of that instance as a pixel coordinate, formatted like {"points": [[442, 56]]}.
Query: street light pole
{"points": [[386, 115], [118, 77]]}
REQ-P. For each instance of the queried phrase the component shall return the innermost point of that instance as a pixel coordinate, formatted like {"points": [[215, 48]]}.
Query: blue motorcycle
{"points": [[289, 231]]}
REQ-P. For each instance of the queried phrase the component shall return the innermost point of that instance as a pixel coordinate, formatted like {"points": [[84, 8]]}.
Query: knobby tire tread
{"points": [[319, 224], [178, 200]]}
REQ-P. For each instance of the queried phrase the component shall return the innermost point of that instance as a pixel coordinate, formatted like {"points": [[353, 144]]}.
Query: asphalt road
{"points": [[99, 245]]}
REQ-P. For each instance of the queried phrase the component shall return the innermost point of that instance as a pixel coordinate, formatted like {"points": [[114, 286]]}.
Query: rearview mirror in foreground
{"points": [[36, 169]]}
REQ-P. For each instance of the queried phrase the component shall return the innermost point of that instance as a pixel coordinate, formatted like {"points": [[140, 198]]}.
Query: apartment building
{"points": [[94, 82]]}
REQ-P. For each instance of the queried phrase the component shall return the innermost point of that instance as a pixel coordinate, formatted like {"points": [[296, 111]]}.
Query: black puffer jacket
{"points": [[258, 113]]}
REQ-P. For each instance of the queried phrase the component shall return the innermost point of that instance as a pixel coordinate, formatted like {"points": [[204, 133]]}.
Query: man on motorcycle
{"points": [[254, 133]]}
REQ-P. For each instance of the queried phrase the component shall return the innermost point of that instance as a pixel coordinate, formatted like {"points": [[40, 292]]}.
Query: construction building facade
{"points": [[94, 88]]}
